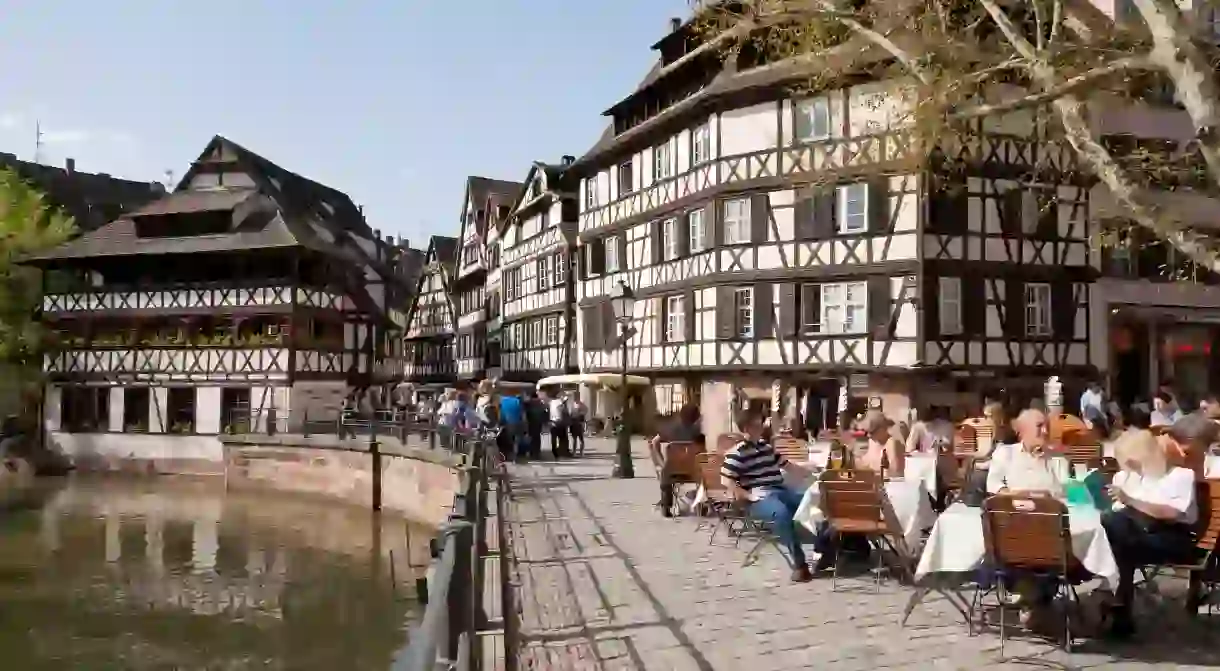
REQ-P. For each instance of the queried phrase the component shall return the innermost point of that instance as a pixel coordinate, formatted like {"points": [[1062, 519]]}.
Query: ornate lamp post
{"points": [[622, 301]]}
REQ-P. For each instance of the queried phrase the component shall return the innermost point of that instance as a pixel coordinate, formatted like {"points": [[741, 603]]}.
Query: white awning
{"points": [[595, 379]]}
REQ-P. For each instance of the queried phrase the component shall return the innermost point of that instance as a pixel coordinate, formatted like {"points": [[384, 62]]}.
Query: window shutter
{"points": [[879, 307], [949, 209], [622, 252], [683, 233], [811, 307], [879, 204], [1014, 309], [597, 256], [789, 320], [588, 318], [974, 308], [661, 316], [714, 226], [581, 264], [803, 218], [1063, 310], [710, 236], [929, 300], [764, 311], [658, 241], [689, 316], [607, 325], [824, 215], [760, 207], [726, 319], [1010, 212]]}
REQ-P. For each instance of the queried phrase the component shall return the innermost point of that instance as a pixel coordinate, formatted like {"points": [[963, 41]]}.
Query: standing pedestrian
{"points": [[535, 419], [557, 409], [577, 412]]}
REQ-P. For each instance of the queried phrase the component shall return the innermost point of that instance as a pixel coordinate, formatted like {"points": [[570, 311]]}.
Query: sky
{"points": [[393, 102]]}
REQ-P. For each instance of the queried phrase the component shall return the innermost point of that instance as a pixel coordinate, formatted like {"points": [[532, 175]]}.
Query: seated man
{"points": [[753, 470], [683, 429], [1187, 441], [1028, 466]]}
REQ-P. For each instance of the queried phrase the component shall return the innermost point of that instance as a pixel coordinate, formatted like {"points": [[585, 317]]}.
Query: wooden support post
{"points": [[375, 452]]}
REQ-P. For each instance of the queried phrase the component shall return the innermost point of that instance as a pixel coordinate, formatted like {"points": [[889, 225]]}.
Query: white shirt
{"points": [[1166, 417], [556, 409], [1175, 489], [1091, 398], [1015, 468]]}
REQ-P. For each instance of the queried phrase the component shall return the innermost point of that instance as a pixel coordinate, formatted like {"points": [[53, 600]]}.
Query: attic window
{"points": [[184, 225], [535, 189]]}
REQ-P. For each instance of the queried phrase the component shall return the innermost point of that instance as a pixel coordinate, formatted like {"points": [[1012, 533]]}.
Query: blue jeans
{"points": [[777, 508]]}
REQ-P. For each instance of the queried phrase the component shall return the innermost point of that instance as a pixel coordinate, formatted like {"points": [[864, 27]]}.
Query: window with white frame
{"points": [[844, 308], [1037, 309], [743, 312], [812, 119], [590, 193], [701, 144], [675, 319], [696, 230], [552, 330], [612, 260], [559, 270], [735, 214], [670, 398], [949, 305], [663, 160], [853, 208], [543, 279], [670, 238]]}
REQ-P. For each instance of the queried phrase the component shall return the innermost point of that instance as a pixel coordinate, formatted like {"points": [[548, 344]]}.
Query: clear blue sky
{"points": [[394, 103]]}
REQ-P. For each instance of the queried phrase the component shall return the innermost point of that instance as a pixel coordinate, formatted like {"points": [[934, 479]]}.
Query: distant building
{"points": [[91, 199], [249, 297]]}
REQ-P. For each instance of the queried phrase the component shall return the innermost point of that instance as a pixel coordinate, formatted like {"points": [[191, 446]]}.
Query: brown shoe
{"points": [[801, 574]]}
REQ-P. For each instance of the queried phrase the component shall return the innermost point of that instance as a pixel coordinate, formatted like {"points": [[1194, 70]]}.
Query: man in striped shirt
{"points": [[754, 471]]}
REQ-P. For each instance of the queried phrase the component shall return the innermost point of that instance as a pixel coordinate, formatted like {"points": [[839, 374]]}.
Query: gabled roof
{"points": [[442, 250], [551, 172], [486, 194], [309, 214]]}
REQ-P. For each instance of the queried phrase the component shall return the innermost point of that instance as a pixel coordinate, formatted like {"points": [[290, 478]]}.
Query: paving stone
{"points": [[604, 582]]}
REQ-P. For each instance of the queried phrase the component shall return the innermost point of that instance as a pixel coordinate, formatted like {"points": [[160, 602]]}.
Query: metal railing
{"points": [[447, 636]]}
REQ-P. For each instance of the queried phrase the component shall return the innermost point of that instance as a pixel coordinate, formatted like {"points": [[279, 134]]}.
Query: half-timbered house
{"points": [[243, 300], [428, 347], [486, 204], [535, 248], [770, 235]]}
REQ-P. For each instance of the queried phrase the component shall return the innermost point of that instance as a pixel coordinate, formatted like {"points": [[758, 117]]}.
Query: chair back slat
{"points": [[965, 439], [1028, 532], [851, 496], [792, 449], [709, 469], [1207, 533], [1107, 466], [681, 465], [1082, 449]]}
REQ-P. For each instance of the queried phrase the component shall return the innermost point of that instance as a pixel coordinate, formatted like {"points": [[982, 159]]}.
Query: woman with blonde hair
{"points": [[1153, 518]]}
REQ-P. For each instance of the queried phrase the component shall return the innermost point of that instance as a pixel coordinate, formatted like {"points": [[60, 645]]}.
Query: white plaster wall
{"points": [[207, 410], [749, 129], [137, 446], [117, 407]]}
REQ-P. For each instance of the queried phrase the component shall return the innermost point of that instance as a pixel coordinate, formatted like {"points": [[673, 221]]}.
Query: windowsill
{"points": [[809, 335], [798, 141], [843, 233]]}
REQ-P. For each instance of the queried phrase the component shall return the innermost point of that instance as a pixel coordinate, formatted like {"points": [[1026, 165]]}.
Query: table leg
{"points": [[956, 600]]}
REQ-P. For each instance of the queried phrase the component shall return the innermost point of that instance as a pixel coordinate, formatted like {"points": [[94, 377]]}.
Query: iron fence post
{"points": [[375, 451]]}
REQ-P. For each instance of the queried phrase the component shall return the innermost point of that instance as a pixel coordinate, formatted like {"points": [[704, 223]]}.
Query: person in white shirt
{"points": [[557, 412], [1155, 512], [1027, 466], [1093, 397], [1165, 409]]}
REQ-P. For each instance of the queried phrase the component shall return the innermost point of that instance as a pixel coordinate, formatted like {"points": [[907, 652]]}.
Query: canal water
{"points": [[119, 574]]}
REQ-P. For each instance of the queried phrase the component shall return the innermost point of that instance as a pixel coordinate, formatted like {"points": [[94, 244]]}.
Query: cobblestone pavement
{"points": [[605, 583]]}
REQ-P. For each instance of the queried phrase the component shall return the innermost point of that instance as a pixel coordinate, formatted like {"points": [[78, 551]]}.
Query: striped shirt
{"points": [[754, 466]]}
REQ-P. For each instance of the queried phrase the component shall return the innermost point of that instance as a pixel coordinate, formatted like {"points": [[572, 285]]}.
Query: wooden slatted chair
{"points": [[792, 449], [721, 504], [1204, 568], [1029, 536], [1062, 424], [853, 502], [965, 439], [984, 432], [680, 466], [1082, 447]]}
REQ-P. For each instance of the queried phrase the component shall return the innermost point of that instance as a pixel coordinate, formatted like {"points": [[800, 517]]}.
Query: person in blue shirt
{"points": [[512, 420]]}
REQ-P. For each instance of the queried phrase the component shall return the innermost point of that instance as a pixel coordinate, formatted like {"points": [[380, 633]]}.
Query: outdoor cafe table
{"points": [[955, 547], [907, 498]]}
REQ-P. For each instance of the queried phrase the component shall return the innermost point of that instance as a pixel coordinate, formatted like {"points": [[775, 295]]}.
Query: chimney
{"points": [[71, 166], [674, 24], [566, 160], [377, 233], [389, 240]]}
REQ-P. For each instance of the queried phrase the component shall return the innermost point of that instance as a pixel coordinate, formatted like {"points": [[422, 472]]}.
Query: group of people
{"points": [[518, 418], [1149, 518]]}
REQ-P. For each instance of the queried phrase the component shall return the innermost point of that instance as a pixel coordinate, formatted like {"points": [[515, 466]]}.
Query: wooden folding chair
{"points": [[680, 466], [1027, 536], [1204, 567], [854, 502], [727, 441], [965, 439], [721, 504], [1082, 447]]}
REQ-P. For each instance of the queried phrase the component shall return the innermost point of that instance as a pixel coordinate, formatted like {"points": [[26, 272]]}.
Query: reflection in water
{"points": [[159, 575]]}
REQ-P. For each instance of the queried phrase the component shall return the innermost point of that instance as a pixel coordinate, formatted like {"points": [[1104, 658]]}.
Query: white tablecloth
{"points": [[908, 499], [956, 543]]}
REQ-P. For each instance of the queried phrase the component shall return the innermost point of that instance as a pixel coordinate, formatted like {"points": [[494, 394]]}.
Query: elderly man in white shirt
{"points": [[1028, 465]]}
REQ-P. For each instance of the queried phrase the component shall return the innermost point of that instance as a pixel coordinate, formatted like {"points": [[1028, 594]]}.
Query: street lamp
{"points": [[622, 301]]}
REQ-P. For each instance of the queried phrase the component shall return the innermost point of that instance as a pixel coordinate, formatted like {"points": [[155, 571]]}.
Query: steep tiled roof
{"points": [[91, 199]]}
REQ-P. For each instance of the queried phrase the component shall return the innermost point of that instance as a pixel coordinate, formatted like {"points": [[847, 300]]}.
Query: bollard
{"points": [[305, 424], [375, 451]]}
